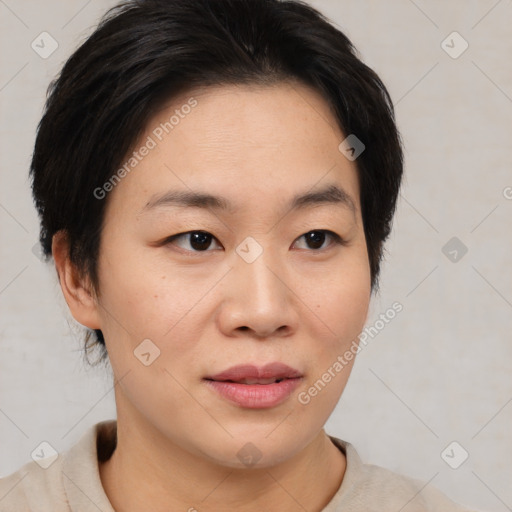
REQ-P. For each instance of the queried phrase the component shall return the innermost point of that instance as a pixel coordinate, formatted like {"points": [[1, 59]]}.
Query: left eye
{"points": [[316, 239]]}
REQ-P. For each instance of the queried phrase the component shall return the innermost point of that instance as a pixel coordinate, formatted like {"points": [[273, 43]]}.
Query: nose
{"points": [[258, 299]]}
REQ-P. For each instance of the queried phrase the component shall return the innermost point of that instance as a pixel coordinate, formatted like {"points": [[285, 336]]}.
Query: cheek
{"points": [[341, 307], [143, 299], [344, 314], [346, 310], [340, 297]]}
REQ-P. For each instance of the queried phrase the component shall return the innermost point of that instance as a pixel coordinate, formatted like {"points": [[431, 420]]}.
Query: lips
{"points": [[250, 374], [253, 387]]}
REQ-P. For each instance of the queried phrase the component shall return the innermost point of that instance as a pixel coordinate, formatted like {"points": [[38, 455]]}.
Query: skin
{"points": [[206, 311]]}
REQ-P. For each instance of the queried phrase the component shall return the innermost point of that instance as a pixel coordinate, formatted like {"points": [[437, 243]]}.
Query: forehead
{"points": [[238, 141]]}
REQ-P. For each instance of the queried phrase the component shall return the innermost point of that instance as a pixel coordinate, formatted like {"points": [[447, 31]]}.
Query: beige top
{"points": [[72, 483]]}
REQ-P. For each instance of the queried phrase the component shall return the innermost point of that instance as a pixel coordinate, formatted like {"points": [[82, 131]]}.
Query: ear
{"points": [[76, 289]]}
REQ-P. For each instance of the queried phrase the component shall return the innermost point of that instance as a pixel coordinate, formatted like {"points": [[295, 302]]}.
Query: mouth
{"points": [[254, 387], [250, 374], [251, 382]]}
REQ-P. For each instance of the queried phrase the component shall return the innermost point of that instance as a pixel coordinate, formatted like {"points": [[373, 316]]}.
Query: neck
{"points": [[140, 475]]}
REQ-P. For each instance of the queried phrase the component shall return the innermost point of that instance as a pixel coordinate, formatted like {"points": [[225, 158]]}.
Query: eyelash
{"points": [[337, 240]]}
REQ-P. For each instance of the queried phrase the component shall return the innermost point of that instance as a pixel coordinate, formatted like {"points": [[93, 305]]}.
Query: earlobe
{"points": [[77, 290]]}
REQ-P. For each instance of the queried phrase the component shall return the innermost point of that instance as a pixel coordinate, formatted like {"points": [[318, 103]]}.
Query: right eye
{"points": [[195, 241]]}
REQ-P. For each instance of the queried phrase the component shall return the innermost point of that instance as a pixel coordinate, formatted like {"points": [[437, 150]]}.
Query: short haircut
{"points": [[145, 52]]}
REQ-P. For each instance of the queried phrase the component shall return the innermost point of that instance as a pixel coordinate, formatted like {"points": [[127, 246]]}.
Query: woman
{"points": [[215, 181]]}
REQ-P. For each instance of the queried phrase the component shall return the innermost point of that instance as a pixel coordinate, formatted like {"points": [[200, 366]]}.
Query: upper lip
{"points": [[248, 371]]}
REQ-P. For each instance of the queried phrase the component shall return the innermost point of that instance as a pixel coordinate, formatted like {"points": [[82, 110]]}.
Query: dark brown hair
{"points": [[144, 52]]}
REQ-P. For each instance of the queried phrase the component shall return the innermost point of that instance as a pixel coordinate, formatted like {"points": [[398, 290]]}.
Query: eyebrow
{"points": [[331, 194]]}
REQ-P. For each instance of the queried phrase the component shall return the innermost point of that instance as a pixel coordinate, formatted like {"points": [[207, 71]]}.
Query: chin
{"points": [[255, 451]]}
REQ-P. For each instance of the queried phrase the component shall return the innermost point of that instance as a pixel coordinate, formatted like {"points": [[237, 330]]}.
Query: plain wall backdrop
{"points": [[440, 371]]}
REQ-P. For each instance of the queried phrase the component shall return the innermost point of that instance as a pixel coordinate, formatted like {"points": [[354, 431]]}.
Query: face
{"points": [[191, 288]]}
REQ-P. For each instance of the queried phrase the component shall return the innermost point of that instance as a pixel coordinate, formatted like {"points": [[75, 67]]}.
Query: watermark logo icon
{"points": [[37, 251], [454, 249], [147, 352], [44, 455], [351, 147], [249, 454], [454, 45], [454, 455], [249, 250], [44, 45]]}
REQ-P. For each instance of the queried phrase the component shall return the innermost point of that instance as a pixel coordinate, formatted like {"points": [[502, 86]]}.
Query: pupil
{"points": [[200, 241], [316, 238]]}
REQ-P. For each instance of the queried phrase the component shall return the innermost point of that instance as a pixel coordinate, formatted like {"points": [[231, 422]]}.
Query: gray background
{"points": [[441, 370]]}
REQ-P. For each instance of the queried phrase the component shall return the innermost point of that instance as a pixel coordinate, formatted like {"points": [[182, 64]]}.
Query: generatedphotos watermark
{"points": [[369, 332], [157, 135]]}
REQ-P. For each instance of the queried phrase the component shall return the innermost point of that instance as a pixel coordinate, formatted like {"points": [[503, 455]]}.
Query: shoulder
{"points": [[370, 488], [33, 488], [70, 482]]}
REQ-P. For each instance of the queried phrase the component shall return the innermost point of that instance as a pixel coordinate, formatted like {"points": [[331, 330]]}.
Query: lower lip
{"points": [[256, 396]]}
